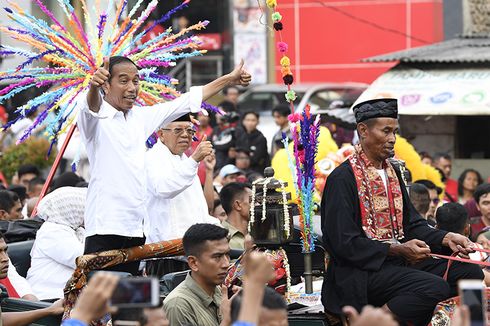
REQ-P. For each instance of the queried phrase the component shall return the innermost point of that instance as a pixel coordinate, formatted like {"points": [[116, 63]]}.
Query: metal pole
{"points": [[188, 72], [54, 167], [308, 273]]}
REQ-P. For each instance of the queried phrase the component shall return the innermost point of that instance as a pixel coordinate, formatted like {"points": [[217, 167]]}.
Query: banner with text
{"points": [[434, 92]]}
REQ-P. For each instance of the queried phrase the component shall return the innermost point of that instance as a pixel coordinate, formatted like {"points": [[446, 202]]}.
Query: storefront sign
{"points": [[434, 92]]}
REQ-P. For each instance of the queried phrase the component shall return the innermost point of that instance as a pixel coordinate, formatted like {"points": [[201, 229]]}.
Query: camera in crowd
{"points": [[231, 117]]}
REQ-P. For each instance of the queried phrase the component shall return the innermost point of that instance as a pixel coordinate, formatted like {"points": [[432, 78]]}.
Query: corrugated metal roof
{"points": [[464, 49]]}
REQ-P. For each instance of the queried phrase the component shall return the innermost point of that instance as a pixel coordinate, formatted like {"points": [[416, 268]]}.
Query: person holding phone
{"points": [[95, 302], [114, 133]]}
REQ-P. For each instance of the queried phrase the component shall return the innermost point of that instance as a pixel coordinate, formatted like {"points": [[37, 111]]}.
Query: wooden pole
{"points": [[54, 167]]}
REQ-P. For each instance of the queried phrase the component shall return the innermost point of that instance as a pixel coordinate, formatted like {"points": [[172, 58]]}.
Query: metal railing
{"points": [[197, 71]]}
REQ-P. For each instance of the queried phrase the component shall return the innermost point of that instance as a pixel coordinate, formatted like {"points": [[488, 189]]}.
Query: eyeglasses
{"points": [[178, 131]]}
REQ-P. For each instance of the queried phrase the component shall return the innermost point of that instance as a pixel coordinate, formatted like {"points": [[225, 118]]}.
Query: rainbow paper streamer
{"points": [[305, 131], [73, 57]]}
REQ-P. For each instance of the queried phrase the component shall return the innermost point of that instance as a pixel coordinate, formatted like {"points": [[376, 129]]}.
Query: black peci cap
{"points": [[378, 108]]}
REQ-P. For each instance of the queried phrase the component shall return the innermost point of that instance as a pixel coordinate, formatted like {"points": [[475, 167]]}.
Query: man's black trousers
{"points": [[412, 292]]}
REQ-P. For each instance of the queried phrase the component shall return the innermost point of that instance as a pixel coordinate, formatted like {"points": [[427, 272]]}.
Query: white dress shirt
{"points": [[19, 283], [175, 198], [53, 259], [116, 149], [382, 174]]}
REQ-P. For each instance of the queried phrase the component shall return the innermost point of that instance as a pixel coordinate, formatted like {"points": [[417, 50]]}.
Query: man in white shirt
{"points": [[114, 135], [20, 284], [175, 197]]}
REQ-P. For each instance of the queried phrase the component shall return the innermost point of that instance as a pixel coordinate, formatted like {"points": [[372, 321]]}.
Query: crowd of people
{"points": [[194, 184], [469, 191]]}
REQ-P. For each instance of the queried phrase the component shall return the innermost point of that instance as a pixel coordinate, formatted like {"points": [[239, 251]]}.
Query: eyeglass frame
{"points": [[189, 131]]}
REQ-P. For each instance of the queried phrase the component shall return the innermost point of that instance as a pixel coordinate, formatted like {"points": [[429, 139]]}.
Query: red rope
{"points": [[454, 257], [463, 260]]}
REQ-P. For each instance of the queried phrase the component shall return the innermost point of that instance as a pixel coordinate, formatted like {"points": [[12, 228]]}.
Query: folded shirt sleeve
{"points": [[88, 120], [163, 113]]}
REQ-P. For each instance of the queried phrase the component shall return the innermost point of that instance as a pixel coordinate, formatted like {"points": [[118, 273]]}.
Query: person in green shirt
{"points": [[235, 198], [198, 300]]}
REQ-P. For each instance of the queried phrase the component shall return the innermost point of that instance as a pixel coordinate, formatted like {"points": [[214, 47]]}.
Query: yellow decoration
{"points": [[285, 62], [420, 171], [271, 3], [326, 145]]}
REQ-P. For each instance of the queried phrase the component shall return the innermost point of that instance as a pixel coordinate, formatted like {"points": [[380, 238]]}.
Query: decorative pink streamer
{"points": [[19, 84], [49, 14]]}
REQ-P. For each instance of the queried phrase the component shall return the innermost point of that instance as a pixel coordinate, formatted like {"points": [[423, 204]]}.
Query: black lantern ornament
{"points": [[271, 222]]}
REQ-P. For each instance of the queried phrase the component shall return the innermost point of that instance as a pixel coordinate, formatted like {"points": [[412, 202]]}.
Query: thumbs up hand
{"points": [[239, 76], [202, 150], [101, 75]]}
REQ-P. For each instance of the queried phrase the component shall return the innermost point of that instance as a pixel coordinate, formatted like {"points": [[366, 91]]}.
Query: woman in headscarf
{"points": [[59, 241]]}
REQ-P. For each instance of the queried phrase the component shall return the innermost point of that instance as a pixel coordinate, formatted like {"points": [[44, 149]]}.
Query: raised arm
{"points": [[210, 163], [238, 76], [168, 183], [94, 99], [258, 271], [163, 113]]}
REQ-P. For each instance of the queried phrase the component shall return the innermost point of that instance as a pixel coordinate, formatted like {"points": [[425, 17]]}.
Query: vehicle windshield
{"points": [[265, 101], [323, 98]]}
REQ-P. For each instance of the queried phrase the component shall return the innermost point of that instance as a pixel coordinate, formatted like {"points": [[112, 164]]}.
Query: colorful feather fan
{"points": [[71, 55]]}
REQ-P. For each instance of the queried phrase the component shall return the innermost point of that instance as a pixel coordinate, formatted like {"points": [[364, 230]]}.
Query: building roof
{"points": [[464, 49]]}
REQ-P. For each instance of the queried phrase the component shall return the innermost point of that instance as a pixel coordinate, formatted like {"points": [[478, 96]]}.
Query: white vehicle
{"points": [[263, 98]]}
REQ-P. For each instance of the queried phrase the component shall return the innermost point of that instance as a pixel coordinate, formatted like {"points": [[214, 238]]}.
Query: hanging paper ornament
{"points": [[271, 3], [276, 17], [288, 79], [304, 132], [286, 71], [285, 61], [291, 96], [282, 47], [287, 75], [278, 26]]}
